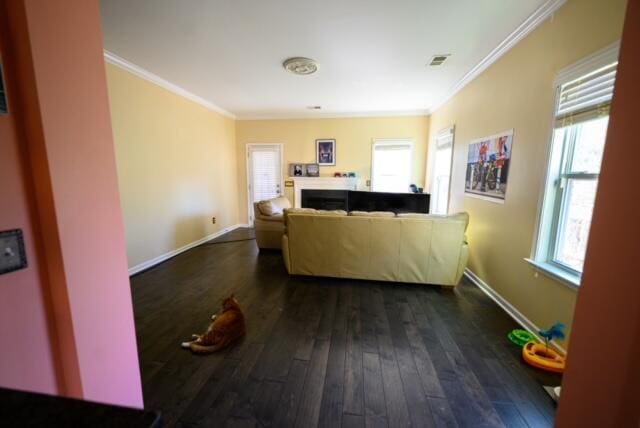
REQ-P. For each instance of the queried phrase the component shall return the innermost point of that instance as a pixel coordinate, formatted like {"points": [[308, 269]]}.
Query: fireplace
{"points": [[325, 199], [321, 183]]}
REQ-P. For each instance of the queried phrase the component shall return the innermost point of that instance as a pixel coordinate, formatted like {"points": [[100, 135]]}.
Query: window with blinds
{"points": [[265, 173], [580, 129], [392, 162]]}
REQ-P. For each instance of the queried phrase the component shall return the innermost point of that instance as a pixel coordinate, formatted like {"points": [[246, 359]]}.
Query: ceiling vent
{"points": [[300, 66], [438, 60]]}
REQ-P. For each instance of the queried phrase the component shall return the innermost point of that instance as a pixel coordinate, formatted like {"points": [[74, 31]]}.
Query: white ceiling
{"points": [[372, 54]]}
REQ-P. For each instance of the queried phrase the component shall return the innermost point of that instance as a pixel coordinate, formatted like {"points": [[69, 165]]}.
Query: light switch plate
{"points": [[12, 255]]}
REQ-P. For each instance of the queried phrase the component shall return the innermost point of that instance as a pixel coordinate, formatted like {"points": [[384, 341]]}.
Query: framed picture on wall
{"points": [[488, 166], [326, 152]]}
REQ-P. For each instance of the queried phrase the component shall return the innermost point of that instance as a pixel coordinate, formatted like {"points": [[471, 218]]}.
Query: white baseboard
{"points": [[156, 260], [518, 316]]}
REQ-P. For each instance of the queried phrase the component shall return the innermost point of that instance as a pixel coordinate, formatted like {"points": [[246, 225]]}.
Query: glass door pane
{"points": [[264, 168], [441, 176]]}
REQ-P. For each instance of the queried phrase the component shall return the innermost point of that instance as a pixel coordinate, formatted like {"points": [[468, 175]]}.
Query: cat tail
{"points": [[202, 349]]}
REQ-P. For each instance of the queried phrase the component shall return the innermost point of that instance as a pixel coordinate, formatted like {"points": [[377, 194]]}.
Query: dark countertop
{"points": [[28, 409]]}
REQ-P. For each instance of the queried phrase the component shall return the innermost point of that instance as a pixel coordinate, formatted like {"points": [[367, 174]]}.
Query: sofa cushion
{"points": [[461, 216], [300, 210], [419, 215], [280, 204], [274, 206], [265, 207], [372, 214], [331, 212]]}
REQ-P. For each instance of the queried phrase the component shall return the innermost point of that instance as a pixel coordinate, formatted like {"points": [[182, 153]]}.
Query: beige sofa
{"points": [[416, 248], [269, 223]]}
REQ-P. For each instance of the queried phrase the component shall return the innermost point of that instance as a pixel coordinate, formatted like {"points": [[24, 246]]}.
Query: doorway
{"points": [[442, 172], [264, 173]]}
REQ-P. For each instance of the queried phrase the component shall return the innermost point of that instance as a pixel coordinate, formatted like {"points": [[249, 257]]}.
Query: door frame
{"points": [[449, 130], [248, 172]]}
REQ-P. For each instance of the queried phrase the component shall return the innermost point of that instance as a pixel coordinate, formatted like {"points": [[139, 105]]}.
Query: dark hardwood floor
{"points": [[327, 352]]}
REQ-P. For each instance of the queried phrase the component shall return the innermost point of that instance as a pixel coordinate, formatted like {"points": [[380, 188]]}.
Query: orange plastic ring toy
{"points": [[539, 356]]}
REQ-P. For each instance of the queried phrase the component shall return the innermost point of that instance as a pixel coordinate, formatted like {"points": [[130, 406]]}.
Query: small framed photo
{"points": [[326, 152], [312, 170], [297, 170]]}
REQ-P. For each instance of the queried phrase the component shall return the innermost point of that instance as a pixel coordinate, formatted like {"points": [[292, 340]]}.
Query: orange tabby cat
{"points": [[227, 327]]}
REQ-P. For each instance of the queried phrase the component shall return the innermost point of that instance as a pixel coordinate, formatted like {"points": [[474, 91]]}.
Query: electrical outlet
{"points": [[368, 183], [213, 220]]}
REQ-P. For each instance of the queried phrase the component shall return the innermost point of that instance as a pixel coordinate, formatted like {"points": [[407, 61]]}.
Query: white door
{"points": [[442, 172], [264, 173]]}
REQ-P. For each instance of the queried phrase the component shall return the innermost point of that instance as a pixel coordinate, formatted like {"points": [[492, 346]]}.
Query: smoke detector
{"points": [[301, 66], [437, 60]]}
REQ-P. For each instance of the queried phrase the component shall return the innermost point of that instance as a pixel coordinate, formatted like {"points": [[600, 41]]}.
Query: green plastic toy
{"points": [[521, 337]]}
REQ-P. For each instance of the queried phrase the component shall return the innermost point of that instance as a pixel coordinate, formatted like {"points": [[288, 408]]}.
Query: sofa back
{"points": [[424, 249]]}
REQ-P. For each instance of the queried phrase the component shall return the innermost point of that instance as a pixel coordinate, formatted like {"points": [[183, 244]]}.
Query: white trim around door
{"points": [[253, 147]]}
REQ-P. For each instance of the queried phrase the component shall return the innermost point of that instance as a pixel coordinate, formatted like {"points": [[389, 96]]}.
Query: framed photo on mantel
{"points": [[326, 152]]}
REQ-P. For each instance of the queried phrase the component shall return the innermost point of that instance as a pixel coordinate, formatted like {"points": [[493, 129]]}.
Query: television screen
{"points": [[396, 202]]}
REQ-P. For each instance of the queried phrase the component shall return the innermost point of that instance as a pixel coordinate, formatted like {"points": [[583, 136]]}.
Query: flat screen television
{"points": [[396, 202]]}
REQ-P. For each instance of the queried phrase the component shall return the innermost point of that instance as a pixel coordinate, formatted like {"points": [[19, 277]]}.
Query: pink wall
{"points": [[27, 357], [601, 387], [57, 52]]}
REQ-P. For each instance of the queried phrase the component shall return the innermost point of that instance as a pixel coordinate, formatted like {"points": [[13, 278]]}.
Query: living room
{"points": [[159, 154]]}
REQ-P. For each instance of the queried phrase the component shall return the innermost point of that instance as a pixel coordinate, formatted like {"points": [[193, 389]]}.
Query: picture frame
{"points": [[297, 170], [312, 169], [488, 167], [326, 152]]}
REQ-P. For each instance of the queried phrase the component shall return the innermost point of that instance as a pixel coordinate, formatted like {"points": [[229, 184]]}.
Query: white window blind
{"points": [[392, 162], [265, 173], [586, 97]]}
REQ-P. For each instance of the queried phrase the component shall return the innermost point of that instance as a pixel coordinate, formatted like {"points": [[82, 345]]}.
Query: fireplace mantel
{"points": [[325, 183]]}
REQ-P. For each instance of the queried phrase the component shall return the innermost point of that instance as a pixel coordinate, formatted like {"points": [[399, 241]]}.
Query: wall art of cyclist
{"points": [[488, 165]]}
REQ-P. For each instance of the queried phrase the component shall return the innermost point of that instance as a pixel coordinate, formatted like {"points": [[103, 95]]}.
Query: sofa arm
{"points": [[462, 262], [275, 218]]}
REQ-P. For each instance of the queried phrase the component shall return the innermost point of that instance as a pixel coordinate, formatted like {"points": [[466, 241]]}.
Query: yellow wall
{"points": [[353, 144], [517, 92], [176, 166]]}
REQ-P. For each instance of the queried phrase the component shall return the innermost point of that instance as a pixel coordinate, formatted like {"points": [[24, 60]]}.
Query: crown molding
{"points": [[370, 114], [531, 23], [114, 59]]}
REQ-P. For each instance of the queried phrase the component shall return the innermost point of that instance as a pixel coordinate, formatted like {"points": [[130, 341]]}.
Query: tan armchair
{"points": [[269, 222]]}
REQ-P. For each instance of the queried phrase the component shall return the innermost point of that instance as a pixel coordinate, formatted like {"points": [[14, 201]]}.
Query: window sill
{"points": [[570, 280]]}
